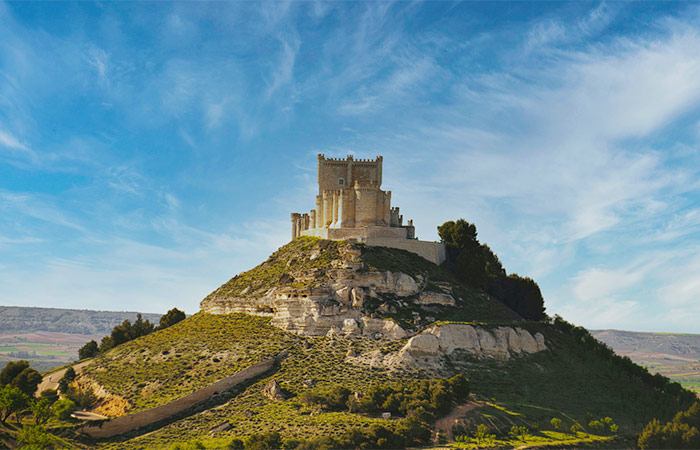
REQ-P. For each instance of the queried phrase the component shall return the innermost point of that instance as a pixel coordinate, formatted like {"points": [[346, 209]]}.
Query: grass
{"points": [[302, 255], [171, 363]]}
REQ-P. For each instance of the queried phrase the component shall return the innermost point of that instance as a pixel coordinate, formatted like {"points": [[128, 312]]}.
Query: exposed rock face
{"points": [[273, 391], [341, 299], [426, 348], [315, 288]]}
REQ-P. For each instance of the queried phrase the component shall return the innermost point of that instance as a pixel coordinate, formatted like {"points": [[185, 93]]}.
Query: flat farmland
{"points": [[43, 349]]}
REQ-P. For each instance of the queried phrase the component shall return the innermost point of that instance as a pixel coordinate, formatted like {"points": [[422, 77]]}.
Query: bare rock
{"points": [[435, 298], [423, 345], [223, 426], [273, 391]]}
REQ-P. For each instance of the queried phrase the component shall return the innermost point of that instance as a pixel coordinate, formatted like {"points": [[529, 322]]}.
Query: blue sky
{"points": [[150, 151]]}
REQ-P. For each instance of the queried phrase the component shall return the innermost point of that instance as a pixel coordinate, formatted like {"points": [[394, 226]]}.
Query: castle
{"points": [[351, 205]]}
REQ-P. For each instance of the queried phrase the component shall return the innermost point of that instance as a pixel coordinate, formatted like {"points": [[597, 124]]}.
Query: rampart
{"points": [[130, 422]]}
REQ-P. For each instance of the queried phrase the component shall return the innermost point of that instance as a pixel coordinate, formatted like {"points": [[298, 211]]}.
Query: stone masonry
{"points": [[351, 205]]}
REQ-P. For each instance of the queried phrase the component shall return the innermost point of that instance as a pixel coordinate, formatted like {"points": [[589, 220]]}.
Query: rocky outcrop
{"points": [[427, 348], [342, 301], [315, 288], [273, 391]]}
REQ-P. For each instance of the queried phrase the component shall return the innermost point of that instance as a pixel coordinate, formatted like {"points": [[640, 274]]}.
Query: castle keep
{"points": [[351, 205]]}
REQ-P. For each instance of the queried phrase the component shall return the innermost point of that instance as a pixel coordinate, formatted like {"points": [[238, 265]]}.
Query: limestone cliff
{"points": [[427, 348], [316, 287]]}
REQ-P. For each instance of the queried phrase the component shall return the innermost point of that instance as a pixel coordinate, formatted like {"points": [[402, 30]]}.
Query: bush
{"points": [[88, 350], [682, 432], [35, 437], [264, 441], [171, 318], [84, 398], [62, 409]]}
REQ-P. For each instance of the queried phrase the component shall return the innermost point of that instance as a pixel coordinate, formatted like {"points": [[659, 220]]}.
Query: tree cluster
{"points": [[477, 266], [127, 331], [410, 432], [424, 399], [21, 376], [18, 383], [681, 432]]}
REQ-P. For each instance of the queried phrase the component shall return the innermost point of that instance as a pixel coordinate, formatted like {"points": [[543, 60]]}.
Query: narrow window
{"points": [[341, 181]]}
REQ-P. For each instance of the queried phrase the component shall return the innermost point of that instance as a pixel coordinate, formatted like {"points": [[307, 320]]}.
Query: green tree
{"points": [[35, 437], [49, 394], [62, 409], [68, 377], [41, 410], [27, 381], [12, 400], [88, 350], [12, 370], [171, 318]]}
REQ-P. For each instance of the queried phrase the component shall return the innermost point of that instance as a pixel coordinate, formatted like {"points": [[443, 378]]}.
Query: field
{"points": [[43, 349], [676, 356]]}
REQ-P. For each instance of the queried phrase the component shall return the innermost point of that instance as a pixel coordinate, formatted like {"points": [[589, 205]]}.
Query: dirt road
{"points": [[51, 380], [445, 423]]}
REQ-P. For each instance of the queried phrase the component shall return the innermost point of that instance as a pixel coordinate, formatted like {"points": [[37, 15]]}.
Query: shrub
{"points": [[12, 400], [681, 432], [35, 437], [62, 409], [171, 318], [556, 423], [88, 350]]}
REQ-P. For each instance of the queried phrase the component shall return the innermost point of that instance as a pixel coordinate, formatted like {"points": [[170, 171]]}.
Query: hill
{"points": [[676, 356], [51, 337], [364, 347], [72, 321]]}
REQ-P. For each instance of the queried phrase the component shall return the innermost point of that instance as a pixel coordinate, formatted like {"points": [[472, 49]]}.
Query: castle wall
{"points": [[432, 251], [351, 205], [331, 171]]}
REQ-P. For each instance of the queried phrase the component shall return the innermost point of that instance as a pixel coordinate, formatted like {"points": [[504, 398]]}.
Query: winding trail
{"points": [[444, 424], [51, 380]]}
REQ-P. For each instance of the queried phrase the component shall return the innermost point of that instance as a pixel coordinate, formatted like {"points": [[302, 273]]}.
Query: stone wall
{"points": [[432, 251], [142, 419]]}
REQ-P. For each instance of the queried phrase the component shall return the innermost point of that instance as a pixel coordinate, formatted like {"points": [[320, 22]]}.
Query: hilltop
{"points": [[331, 344], [320, 340]]}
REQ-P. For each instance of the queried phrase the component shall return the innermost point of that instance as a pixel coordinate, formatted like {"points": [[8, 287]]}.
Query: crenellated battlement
{"points": [[350, 202]]}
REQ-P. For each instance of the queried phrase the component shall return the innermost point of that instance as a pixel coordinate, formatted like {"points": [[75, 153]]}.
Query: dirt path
{"points": [[51, 380], [444, 424], [87, 415]]}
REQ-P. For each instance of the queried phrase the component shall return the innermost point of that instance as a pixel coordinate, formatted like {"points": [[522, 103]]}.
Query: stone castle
{"points": [[351, 205]]}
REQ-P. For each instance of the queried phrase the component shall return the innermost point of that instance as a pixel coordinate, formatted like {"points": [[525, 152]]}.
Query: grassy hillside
{"points": [[191, 354], [676, 356], [572, 381], [576, 380]]}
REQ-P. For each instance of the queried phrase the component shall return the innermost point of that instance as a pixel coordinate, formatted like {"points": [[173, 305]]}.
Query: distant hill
{"points": [[674, 346], [676, 356], [50, 337], [74, 321]]}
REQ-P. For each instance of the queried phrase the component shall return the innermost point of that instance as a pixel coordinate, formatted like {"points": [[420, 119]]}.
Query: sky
{"points": [[149, 151]]}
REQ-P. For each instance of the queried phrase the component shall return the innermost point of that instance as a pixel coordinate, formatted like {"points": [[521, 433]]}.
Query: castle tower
{"points": [[351, 205]]}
